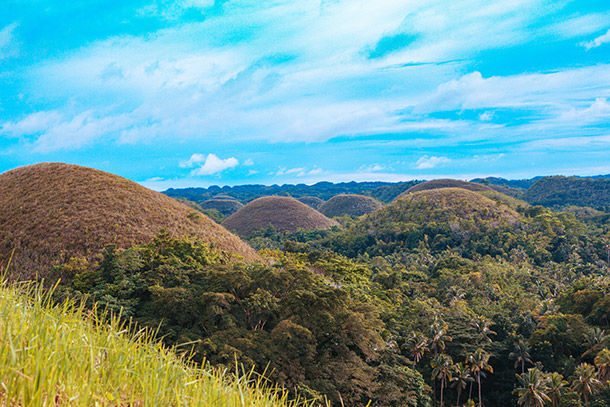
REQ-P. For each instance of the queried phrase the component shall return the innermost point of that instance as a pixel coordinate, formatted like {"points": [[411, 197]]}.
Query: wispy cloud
{"points": [[426, 162], [597, 42], [8, 44]]}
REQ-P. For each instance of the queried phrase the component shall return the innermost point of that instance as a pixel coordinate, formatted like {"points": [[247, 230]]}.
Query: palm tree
{"points": [[439, 336], [479, 363], [555, 384], [532, 392], [482, 326], [602, 361], [521, 355], [442, 365], [595, 338], [418, 345], [460, 379], [585, 382]]}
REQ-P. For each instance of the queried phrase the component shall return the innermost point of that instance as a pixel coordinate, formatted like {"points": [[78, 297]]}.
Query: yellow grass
{"points": [[62, 355]]}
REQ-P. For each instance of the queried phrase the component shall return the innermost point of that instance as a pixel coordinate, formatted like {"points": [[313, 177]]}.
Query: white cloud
{"points": [[599, 110], [211, 164], [601, 40], [248, 163], [426, 162], [31, 124], [76, 132], [191, 162], [486, 116], [371, 168]]}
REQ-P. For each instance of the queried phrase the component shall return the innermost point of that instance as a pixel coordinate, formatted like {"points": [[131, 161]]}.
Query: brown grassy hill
{"points": [[311, 201], [444, 183], [53, 211], [350, 204], [282, 213], [225, 206]]}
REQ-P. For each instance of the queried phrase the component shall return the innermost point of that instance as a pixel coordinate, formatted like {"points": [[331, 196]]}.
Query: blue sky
{"points": [[200, 92]]}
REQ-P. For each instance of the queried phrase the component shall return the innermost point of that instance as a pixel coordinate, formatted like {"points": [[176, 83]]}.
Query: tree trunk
{"points": [[442, 388], [459, 391], [479, 381], [522, 366]]}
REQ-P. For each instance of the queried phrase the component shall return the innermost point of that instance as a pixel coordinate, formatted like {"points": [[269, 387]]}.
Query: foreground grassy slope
{"points": [[52, 211], [62, 356], [282, 213]]}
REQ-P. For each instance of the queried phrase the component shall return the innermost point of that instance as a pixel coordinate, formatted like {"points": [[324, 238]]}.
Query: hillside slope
{"points": [[561, 191], [444, 183], [284, 214], [53, 211], [349, 204], [79, 360]]}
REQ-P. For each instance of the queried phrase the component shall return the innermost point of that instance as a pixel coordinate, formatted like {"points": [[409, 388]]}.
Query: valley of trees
{"points": [[443, 298]]}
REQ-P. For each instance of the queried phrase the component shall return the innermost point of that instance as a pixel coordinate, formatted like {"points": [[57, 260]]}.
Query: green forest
{"points": [[441, 298]]}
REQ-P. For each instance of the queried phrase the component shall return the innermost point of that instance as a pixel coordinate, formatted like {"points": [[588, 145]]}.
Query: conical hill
{"points": [[52, 211], [283, 214]]}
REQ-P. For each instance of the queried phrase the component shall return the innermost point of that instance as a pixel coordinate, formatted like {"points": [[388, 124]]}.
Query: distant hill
{"points": [[512, 183], [226, 206], [351, 205], [53, 211], [559, 191], [444, 183], [311, 201], [382, 191], [283, 214]]}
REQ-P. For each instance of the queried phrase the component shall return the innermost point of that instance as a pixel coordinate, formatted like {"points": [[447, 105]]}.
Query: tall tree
{"points": [[442, 365], [555, 384], [461, 378], [585, 381], [602, 362], [482, 326], [532, 392], [418, 346], [521, 355], [439, 337], [479, 364]]}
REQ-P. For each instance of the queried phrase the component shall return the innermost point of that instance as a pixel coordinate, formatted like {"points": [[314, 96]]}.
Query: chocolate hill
{"points": [[284, 214], [349, 204], [51, 212], [223, 204], [444, 183]]}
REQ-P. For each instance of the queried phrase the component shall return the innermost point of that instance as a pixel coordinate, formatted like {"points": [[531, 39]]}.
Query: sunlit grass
{"points": [[64, 355]]}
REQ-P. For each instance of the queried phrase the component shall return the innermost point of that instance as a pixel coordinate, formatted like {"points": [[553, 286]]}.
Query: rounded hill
{"points": [[444, 183], [350, 204], [226, 206], [438, 219], [281, 213], [311, 201], [52, 211]]}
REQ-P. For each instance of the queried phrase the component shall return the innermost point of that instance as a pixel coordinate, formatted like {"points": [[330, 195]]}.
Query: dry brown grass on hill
{"points": [[444, 183], [53, 211], [350, 204], [282, 213]]}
